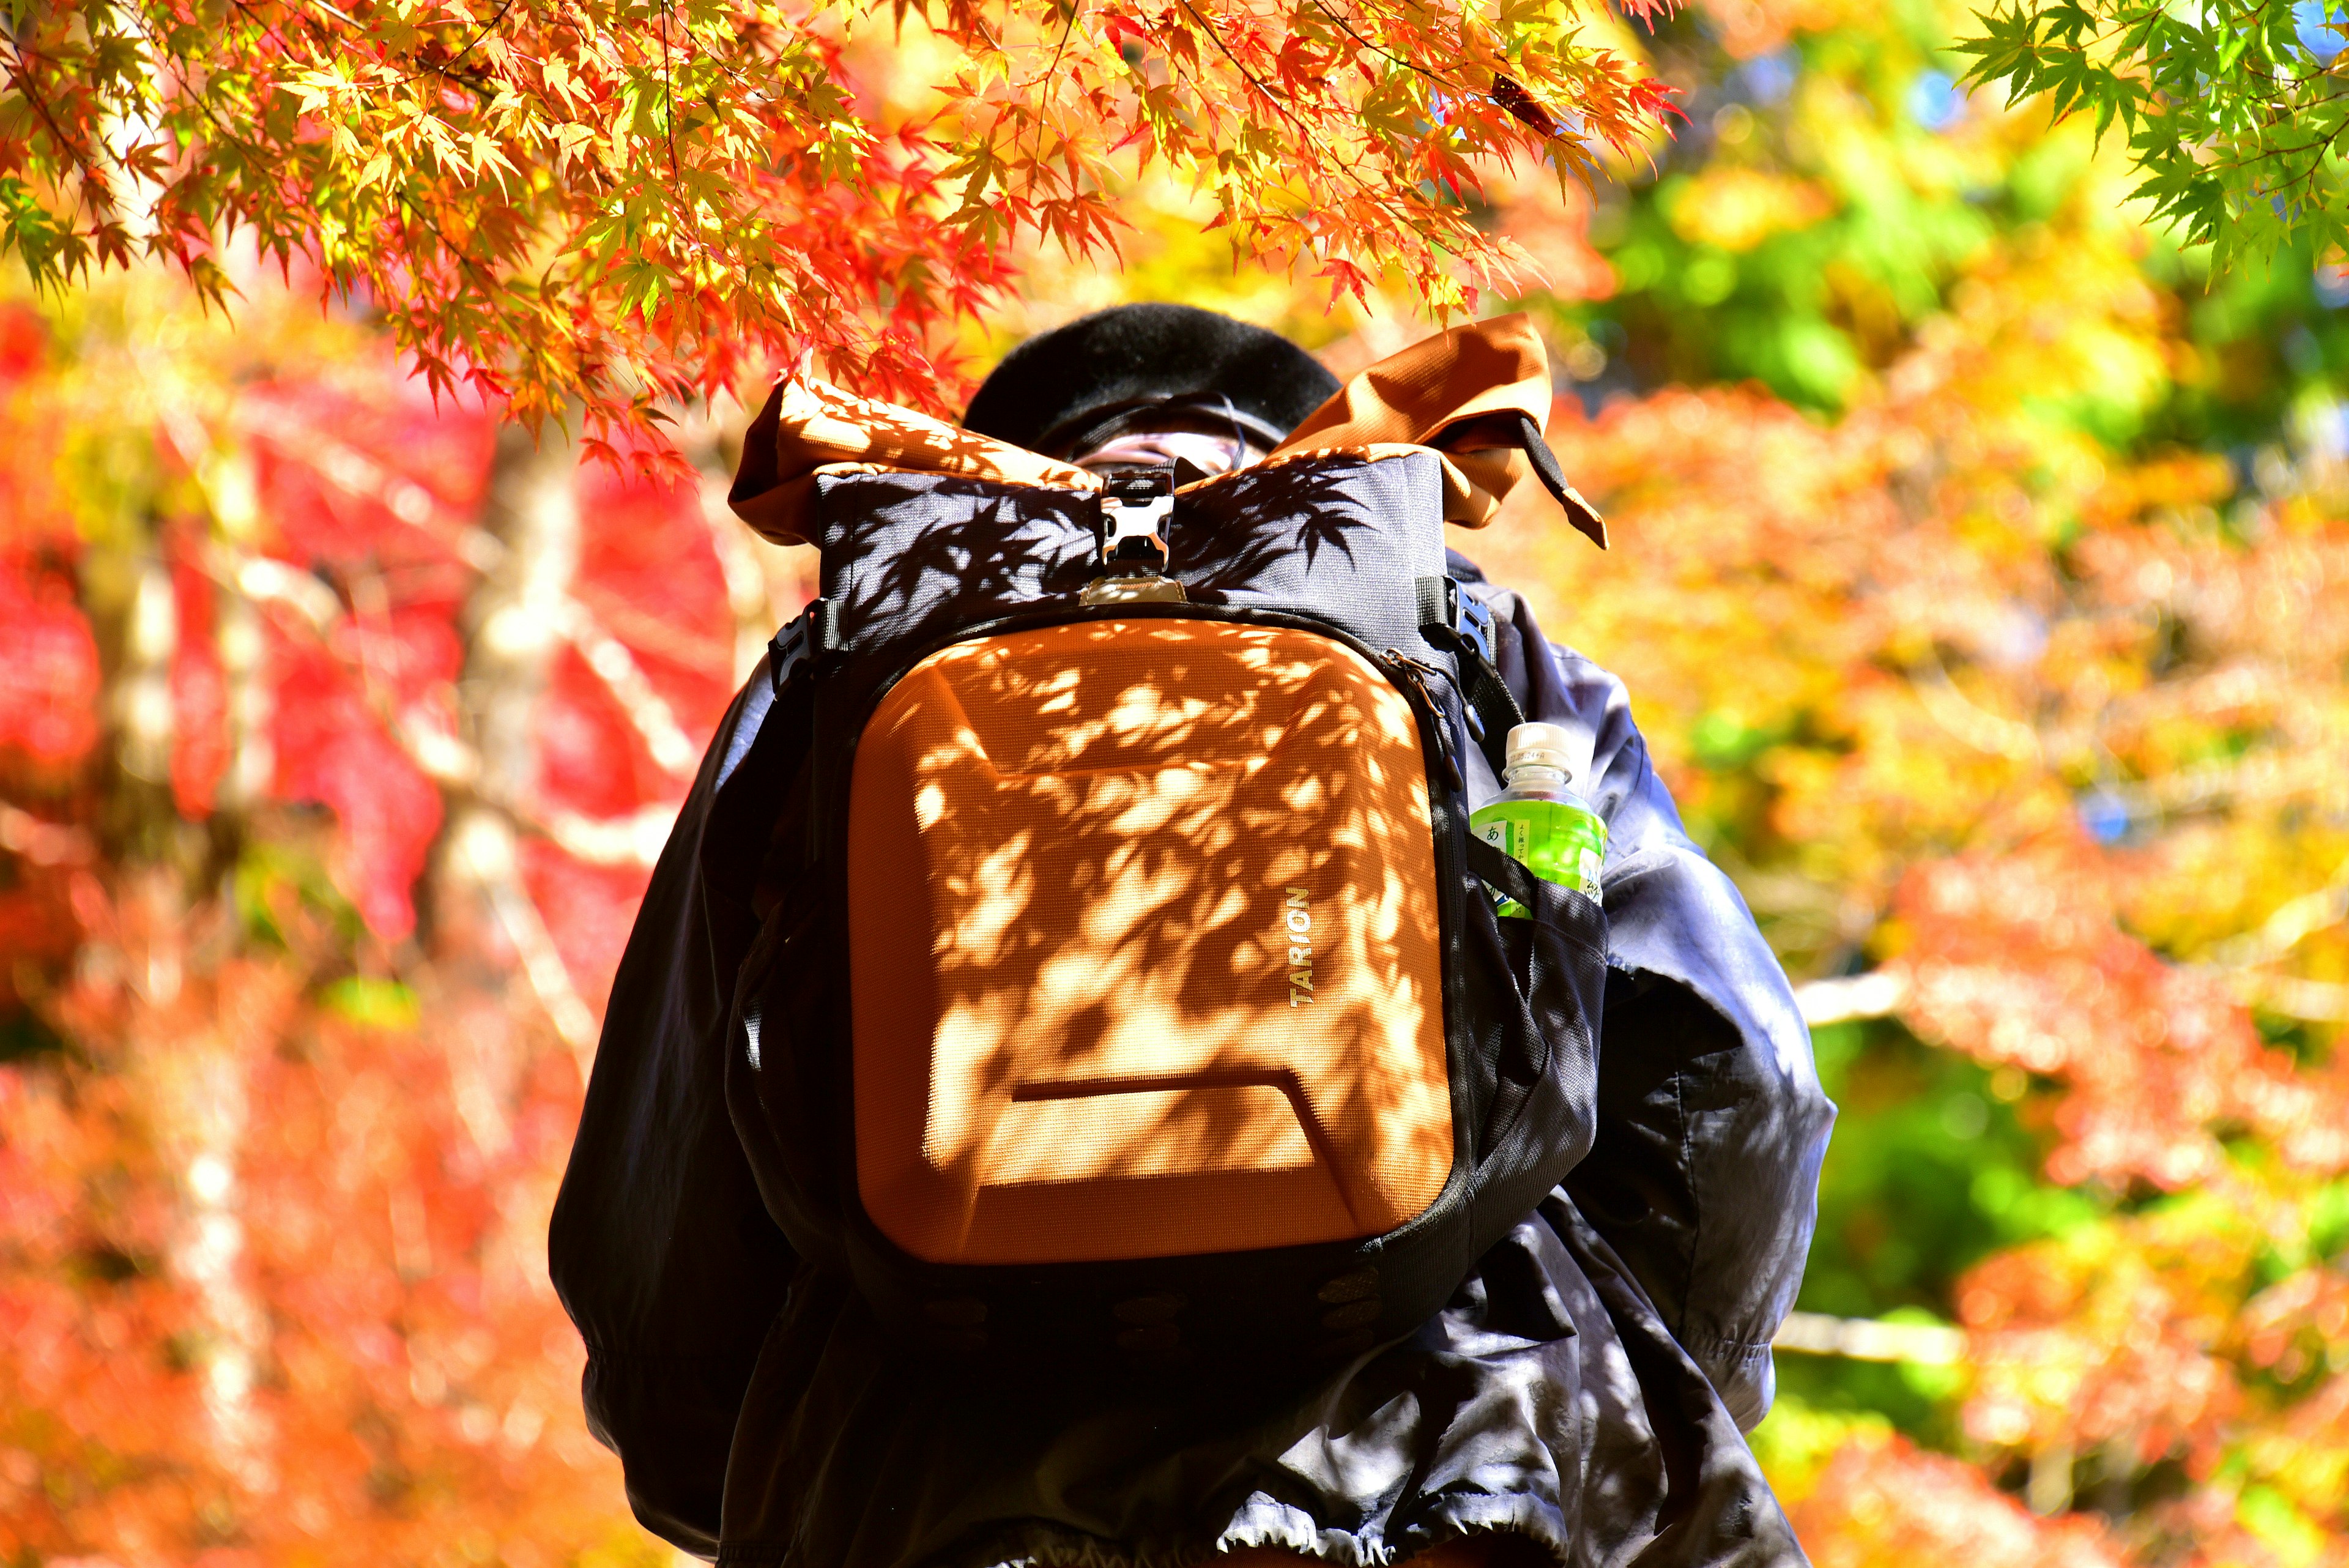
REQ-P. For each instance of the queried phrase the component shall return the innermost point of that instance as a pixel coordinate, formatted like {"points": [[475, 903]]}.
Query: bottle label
{"points": [[1555, 841], [1505, 835]]}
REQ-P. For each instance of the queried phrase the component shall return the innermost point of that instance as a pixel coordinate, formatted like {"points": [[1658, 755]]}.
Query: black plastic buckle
{"points": [[1462, 628], [1452, 621], [814, 630]]}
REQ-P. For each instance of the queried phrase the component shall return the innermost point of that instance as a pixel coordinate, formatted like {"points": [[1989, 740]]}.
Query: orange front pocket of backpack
{"points": [[1144, 950]]}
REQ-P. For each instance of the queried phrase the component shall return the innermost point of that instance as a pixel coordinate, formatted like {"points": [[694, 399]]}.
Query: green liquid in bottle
{"points": [[1539, 822]]}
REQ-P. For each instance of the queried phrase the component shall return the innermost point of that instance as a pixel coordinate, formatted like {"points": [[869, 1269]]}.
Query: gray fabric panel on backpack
{"points": [[1343, 539], [911, 559]]}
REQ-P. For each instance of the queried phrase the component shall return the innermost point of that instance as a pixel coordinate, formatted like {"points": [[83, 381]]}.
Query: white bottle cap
{"points": [[1541, 746]]}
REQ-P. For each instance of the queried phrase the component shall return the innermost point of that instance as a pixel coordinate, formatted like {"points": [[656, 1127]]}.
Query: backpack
{"points": [[1127, 984]]}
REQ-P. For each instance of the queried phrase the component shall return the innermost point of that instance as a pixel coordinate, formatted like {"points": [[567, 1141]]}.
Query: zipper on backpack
{"points": [[1412, 677], [1447, 814]]}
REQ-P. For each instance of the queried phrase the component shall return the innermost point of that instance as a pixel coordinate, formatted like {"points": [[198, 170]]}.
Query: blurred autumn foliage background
{"points": [[1982, 578]]}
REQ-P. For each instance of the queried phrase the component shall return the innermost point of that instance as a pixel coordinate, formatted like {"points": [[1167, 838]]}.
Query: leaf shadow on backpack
{"points": [[1106, 966], [913, 558], [1163, 889], [1319, 534]]}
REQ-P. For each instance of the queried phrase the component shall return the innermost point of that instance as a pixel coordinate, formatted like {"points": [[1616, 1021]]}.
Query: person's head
{"points": [[1151, 383]]}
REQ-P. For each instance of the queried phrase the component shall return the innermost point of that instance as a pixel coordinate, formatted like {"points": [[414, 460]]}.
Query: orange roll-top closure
{"points": [[1473, 373]]}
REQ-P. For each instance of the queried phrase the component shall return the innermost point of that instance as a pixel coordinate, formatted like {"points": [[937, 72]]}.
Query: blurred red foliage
{"points": [[1888, 1502], [2018, 960], [279, 1120], [48, 668]]}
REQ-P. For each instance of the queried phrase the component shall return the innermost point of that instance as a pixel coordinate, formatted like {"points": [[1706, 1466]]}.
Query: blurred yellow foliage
{"points": [[1737, 209]]}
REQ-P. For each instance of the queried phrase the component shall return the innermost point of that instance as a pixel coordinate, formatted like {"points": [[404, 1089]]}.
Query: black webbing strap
{"points": [[1457, 624], [1545, 462], [1443, 605], [1526, 435], [1501, 873]]}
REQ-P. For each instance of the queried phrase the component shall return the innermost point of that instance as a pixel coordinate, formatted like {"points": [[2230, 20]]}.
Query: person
{"points": [[1581, 1398]]}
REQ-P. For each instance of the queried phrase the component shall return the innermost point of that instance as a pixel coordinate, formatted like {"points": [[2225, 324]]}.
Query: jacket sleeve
{"points": [[1711, 1123], [659, 1247]]}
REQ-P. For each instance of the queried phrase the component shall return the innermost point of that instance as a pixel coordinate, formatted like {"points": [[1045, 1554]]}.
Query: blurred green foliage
{"points": [[1933, 1168], [1828, 196]]}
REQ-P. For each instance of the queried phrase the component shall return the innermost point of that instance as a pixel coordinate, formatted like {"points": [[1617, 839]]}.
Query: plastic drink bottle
{"points": [[1538, 820]]}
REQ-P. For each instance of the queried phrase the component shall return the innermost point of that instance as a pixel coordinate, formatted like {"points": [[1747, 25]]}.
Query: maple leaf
{"points": [[1520, 105], [473, 170]]}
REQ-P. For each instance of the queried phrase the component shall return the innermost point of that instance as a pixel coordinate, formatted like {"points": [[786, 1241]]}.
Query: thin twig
{"points": [[669, 103], [1381, 50], [486, 29]]}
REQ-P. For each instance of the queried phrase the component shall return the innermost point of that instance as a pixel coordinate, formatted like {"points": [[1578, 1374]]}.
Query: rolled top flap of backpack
{"points": [[1478, 394], [808, 425], [1480, 391]]}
